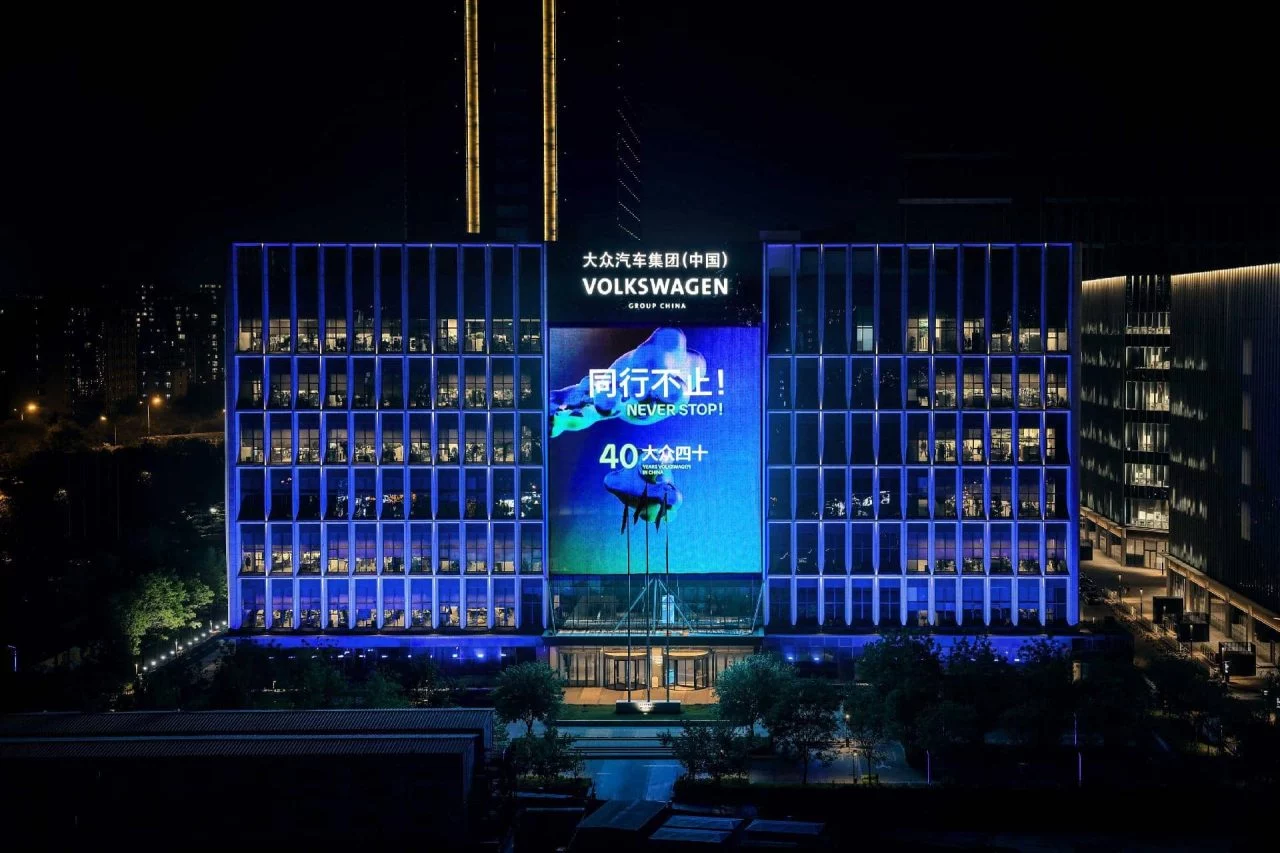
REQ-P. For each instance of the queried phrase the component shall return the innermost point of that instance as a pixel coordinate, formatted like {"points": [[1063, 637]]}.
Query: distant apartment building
{"points": [[1124, 478], [24, 346]]}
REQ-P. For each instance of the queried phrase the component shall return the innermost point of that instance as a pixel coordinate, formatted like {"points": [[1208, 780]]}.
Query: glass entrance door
{"points": [[690, 670]]}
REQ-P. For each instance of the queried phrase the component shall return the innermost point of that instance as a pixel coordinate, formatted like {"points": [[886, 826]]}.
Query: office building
{"points": [[870, 436], [1224, 469], [1124, 415], [385, 426], [921, 438]]}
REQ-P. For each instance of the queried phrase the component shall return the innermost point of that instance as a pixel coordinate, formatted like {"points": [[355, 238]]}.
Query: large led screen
{"points": [[654, 449]]}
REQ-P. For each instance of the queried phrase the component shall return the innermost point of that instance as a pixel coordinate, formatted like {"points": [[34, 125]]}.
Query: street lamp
{"points": [[28, 409], [151, 401], [115, 436]]}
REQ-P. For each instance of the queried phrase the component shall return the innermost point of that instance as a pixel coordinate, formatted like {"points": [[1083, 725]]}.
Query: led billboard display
{"points": [[654, 435]]}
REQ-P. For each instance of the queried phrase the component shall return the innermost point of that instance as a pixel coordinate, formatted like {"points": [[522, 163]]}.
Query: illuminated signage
{"points": [[678, 284]]}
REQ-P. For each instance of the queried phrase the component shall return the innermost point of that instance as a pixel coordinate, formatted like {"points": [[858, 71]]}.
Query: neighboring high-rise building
{"points": [[84, 357], [1224, 519], [24, 361], [894, 446], [205, 334], [1124, 416], [549, 131], [120, 364]]}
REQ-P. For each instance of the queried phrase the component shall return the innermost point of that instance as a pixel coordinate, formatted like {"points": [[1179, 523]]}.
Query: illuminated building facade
{"points": [[384, 435], [1224, 471], [890, 440], [1124, 411], [920, 439]]}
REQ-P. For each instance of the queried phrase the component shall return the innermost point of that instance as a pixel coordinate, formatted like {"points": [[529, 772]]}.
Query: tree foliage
{"points": [[527, 692], [717, 750], [160, 603], [546, 757], [866, 724], [802, 722], [750, 688], [906, 670]]}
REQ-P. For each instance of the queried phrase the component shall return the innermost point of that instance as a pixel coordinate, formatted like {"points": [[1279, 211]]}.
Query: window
{"points": [[1147, 474], [973, 562], [308, 388], [972, 603], [335, 334], [447, 335], [392, 441], [250, 336], [975, 395], [1246, 521], [531, 549], [447, 384], [1001, 494], [1001, 443], [339, 606], [1029, 385], [419, 443], [504, 549], [972, 498], [975, 339], [473, 335], [366, 442], [309, 550], [1001, 385], [366, 596], [944, 384], [336, 563], [1146, 396], [366, 550], [474, 440], [252, 551], [973, 444], [447, 439], [504, 604], [393, 550], [1246, 467], [392, 604], [477, 549], [449, 559], [475, 396], [420, 604], [251, 444], [1028, 444], [281, 550], [281, 445], [477, 605], [504, 394], [308, 444], [279, 335], [336, 446], [1246, 411]]}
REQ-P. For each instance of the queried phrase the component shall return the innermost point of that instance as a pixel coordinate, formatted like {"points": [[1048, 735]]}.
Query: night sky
{"points": [[138, 147]]}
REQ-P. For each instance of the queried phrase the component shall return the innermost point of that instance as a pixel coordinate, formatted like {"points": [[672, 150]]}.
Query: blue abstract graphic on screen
{"points": [[655, 437]]}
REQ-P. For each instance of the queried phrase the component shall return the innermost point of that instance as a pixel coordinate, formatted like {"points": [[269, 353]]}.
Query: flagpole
{"points": [[630, 662], [648, 619], [666, 663]]}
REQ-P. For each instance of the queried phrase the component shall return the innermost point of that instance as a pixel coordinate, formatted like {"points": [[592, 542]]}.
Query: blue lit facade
{"points": [[387, 419], [920, 438], [384, 435]]}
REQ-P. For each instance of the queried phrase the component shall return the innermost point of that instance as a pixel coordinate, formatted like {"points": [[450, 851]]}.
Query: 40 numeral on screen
{"points": [[628, 456]]}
